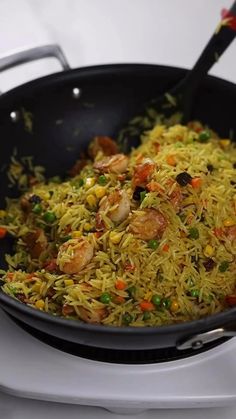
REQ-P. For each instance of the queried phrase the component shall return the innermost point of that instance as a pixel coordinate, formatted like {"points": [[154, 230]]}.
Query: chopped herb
{"points": [[193, 233], [146, 315], [55, 179], [37, 209], [127, 318], [166, 303], [142, 195], [224, 266]]}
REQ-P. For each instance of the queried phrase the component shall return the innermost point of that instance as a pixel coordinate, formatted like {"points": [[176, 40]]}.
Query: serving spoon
{"points": [[180, 98]]}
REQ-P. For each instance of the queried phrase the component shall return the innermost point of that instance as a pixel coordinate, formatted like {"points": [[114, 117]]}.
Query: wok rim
{"points": [[205, 323]]}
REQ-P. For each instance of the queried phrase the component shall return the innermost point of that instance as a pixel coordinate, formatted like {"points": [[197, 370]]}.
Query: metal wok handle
{"points": [[32, 54], [199, 340]]}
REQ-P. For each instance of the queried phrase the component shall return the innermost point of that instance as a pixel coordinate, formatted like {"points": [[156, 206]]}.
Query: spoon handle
{"points": [[220, 40]]}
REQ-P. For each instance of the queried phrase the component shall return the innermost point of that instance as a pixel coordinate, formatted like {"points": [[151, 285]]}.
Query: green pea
{"points": [[166, 303], [224, 266], [195, 293], [37, 209], [153, 244], [142, 195], [193, 233], [156, 299], [102, 180], [105, 298], [127, 318], [204, 136], [49, 217], [146, 315]]}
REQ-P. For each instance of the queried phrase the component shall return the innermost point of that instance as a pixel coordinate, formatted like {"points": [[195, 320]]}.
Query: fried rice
{"points": [[145, 239]]}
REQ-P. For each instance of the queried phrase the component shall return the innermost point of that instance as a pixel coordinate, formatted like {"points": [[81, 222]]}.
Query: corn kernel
{"points": [[116, 236], [39, 304], [91, 200], [148, 295], [174, 306], [90, 181], [3, 213], [100, 191], [224, 143], [36, 287], [229, 222], [76, 234], [87, 227], [68, 282], [208, 251]]}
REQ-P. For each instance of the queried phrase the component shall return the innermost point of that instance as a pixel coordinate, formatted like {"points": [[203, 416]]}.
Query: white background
{"points": [[169, 32]]}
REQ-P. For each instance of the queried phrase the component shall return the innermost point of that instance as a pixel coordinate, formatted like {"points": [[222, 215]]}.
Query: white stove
{"points": [[32, 369]]}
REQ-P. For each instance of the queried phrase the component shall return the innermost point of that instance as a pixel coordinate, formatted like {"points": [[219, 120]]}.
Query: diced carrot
{"points": [[30, 277], [146, 305], [3, 232], [10, 276], [171, 160], [118, 299], [154, 187], [129, 267], [121, 177], [166, 247], [218, 232], [120, 284], [67, 310], [196, 182], [142, 173]]}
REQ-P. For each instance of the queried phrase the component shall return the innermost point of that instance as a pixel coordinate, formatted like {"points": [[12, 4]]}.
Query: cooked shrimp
{"points": [[142, 172], [114, 164], [94, 316], [104, 144], [176, 198], [148, 224], [121, 203], [36, 242], [74, 255], [230, 232]]}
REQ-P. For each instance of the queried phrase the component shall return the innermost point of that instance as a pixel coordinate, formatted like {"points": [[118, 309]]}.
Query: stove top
{"points": [[32, 369]]}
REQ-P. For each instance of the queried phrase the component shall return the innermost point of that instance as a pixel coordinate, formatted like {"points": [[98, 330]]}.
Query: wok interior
{"points": [[62, 126]]}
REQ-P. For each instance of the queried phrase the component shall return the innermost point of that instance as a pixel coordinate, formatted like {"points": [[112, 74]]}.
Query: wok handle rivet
{"points": [[76, 92], [197, 344]]}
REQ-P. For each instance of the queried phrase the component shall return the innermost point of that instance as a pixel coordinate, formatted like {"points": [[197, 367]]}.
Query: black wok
{"points": [[64, 121]]}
